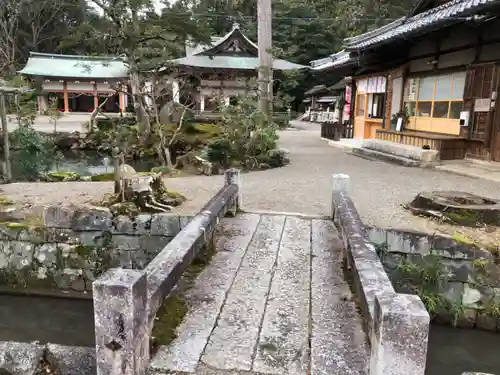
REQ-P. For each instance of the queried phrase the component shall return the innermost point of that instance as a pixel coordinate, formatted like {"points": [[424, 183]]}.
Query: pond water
{"points": [[65, 321], [453, 351], [90, 163]]}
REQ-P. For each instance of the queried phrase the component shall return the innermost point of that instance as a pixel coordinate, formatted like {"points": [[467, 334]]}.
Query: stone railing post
{"points": [[399, 336], [340, 182], [233, 176], [121, 322]]}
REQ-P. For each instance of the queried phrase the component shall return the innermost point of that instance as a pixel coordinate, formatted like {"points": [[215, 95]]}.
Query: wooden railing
{"points": [[334, 131]]}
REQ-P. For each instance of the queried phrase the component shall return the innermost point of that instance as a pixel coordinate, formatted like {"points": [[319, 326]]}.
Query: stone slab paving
{"points": [[338, 346], [283, 346], [207, 298], [233, 340], [272, 301]]}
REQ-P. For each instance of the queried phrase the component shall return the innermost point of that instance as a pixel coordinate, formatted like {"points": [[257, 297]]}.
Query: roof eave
{"points": [[335, 67], [412, 34], [427, 28], [20, 72]]}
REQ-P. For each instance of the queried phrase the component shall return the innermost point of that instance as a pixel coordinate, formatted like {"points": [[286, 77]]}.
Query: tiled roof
{"points": [[340, 85], [206, 56], [452, 12], [446, 14], [315, 89], [217, 41], [232, 62], [373, 33], [333, 61], [73, 66]]}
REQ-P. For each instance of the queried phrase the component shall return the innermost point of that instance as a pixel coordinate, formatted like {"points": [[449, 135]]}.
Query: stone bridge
{"points": [[282, 294], [275, 299]]}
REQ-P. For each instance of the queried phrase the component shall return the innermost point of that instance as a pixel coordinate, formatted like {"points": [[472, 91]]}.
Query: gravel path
{"points": [[378, 189]]}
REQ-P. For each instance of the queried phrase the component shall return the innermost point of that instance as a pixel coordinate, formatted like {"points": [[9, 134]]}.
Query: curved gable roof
{"points": [[74, 66]]}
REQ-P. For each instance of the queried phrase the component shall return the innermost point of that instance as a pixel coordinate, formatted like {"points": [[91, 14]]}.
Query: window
{"points": [[411, 107], [435, 96], [360, 105], [376, 105]]}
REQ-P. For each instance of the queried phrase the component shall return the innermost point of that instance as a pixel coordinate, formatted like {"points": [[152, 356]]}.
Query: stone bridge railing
{"points": [[126, 300], [397, 324]]}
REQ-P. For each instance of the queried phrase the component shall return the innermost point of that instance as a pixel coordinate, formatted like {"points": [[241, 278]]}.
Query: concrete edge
{"points": [[279, 213], [444, 168], [382, 156]]}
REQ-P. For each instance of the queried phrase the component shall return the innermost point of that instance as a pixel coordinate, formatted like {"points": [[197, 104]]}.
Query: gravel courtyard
{"points": [[378, 189]]}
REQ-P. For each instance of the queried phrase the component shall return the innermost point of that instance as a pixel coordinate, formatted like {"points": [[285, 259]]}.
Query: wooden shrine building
{"points": [[223, 70], [78, 83]]}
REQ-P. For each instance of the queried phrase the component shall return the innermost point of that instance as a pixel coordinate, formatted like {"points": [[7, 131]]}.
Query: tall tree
{"points": [[145, 39], [35, 26]]}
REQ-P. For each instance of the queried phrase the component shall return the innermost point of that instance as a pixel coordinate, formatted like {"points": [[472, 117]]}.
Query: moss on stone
{"points": [[175, 195], [124, 208], [168, 317], [62, 176], [461, 238], [161, 170], [32, 221], [463, 216], [5, 201], [84, 250], [107, 176], [16, 225], [174, 307]]}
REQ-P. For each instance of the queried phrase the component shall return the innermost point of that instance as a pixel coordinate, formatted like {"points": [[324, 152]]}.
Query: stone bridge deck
{"points": [[273, 300]]}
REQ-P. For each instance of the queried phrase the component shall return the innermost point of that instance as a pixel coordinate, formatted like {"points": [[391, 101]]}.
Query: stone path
{"points": [[273, 300]]}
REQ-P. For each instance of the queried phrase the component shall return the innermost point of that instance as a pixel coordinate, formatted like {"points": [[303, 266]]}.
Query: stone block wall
{"points": [[471, 278], [77, 244]]}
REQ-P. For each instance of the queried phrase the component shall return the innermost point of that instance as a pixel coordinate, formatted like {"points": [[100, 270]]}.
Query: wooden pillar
{"points": [[65, 93], [38, 105], [121, 101], [96, 97], [7, 171], [202, 103]]}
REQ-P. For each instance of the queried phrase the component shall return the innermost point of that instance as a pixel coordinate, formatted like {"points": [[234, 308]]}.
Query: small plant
{"points": [[425, 278], [32, 153], [248, 138], [492, 307], [53, 113], [456, 309], [381, 249]]}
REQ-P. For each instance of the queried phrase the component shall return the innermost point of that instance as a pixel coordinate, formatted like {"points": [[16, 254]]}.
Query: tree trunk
{"points": [[140, 110], [93, 115], [168, 157]]}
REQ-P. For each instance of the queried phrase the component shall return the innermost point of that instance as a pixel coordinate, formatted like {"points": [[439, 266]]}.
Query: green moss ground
{"points": [[174, 308]]}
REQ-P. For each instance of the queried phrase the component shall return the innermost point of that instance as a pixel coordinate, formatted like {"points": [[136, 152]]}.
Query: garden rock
{"points": [[278, 158]]}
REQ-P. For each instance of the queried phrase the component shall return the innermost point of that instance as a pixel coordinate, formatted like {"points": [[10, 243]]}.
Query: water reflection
{"points": [[44, 319], [89, 163], [453, 351]]}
